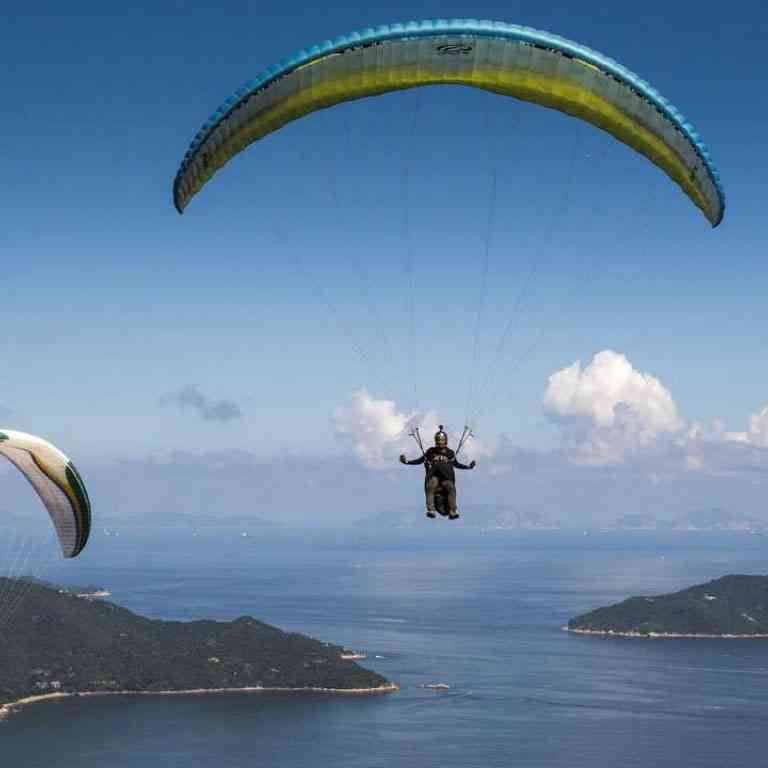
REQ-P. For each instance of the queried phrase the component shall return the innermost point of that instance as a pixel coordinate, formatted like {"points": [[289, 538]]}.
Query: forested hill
{"points": [[729, 606], [55, 642]]}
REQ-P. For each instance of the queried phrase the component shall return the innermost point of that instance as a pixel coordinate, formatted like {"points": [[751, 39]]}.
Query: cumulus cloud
{"points": [[608, 410], [374, 429], [758, 429], [611, 414], [191, 398], [756, 436], [608, 413], [377, 432], [719, 451]]}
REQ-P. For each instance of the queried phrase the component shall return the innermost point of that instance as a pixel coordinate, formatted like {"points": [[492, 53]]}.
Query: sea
{"points": [[481, 612]]}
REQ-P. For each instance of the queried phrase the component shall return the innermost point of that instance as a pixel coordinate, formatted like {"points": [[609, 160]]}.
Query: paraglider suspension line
{"points": [[465, 435], [416, 435]]}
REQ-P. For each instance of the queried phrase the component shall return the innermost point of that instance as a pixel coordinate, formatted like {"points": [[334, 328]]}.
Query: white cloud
{"points": [[608, 413], [377, 432], [719, 451], [758, 428], [475, 448], [609, 410]]}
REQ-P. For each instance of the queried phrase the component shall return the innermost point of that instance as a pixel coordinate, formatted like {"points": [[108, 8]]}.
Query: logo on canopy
{"points": [[453, 49]]}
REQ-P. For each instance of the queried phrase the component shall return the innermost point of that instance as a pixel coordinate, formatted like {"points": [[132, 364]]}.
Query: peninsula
{"points": [[729, 607], [57, 643]]}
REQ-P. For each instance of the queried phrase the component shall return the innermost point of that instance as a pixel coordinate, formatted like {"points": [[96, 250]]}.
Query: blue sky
{"points": [[298, 252]]}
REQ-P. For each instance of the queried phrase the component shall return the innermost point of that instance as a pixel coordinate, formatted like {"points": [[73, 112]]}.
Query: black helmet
{"points": [[441, 438]]}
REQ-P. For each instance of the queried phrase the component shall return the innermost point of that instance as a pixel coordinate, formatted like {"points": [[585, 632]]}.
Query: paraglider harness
{"points": [[416, 435]]}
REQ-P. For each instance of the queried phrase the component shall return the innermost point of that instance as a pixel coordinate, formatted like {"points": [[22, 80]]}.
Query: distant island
{"points": [[729, 607], [61, 644]]}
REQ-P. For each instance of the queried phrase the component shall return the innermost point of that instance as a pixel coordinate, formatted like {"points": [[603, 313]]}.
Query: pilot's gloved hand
{"points": [[402, 458], [472, 464]]}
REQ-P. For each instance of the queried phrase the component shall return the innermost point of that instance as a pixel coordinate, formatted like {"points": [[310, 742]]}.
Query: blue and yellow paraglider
{"points": [[503, 58]]}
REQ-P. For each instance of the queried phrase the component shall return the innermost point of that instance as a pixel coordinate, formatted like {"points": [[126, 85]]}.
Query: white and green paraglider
{"points": [[57, 482]]}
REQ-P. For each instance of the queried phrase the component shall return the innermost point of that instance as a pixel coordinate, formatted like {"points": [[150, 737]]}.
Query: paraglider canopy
{"points": [[57, 482], [502, 58]]}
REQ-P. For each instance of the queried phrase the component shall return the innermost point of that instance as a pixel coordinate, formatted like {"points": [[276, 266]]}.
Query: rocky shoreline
{"points": [[11, 706], [732, 607], [665, 635]]}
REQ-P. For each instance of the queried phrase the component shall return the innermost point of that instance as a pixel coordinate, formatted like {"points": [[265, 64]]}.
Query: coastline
{"points": [[7, 709], [664, 635]]}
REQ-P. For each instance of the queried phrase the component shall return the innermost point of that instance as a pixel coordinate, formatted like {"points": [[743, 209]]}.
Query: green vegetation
{"points": [[731, 605], [59, 643]]}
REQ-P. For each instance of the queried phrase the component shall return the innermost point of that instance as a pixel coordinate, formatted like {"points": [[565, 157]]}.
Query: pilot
{"points": [[439, 462]]}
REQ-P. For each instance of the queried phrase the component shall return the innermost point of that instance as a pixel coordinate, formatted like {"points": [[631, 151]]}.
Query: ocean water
{"points": [[483, 614]]}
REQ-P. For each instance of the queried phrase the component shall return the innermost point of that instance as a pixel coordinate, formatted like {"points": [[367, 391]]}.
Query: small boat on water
{"points": [[352, 655], [436, 686], [96, 593]]}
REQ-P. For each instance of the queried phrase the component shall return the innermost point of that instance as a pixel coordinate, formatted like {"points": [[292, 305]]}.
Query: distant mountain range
{"points": [[707, 519], [488, 517]]}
